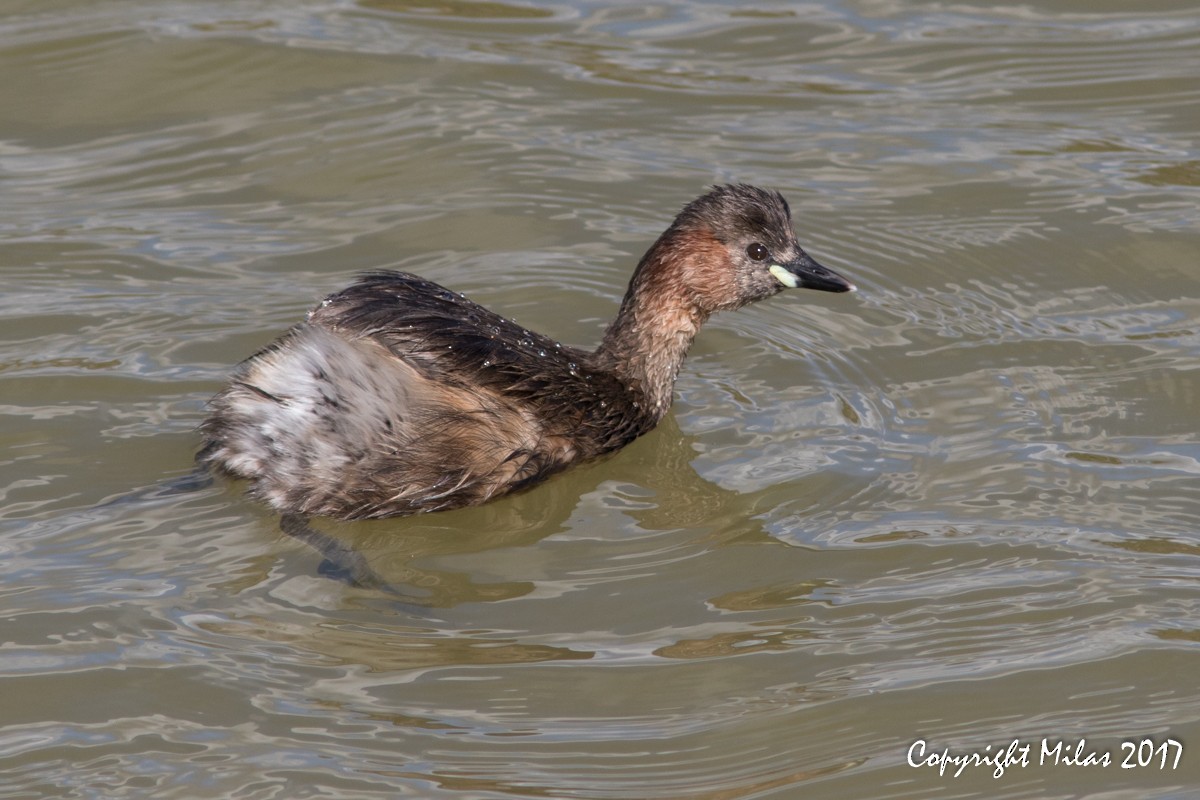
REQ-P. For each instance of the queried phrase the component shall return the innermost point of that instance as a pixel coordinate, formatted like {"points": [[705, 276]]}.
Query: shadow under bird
{"points": [[397, 396]]}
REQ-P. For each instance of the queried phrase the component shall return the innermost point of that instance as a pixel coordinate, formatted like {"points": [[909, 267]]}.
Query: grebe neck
{"points": [[659, 317]]}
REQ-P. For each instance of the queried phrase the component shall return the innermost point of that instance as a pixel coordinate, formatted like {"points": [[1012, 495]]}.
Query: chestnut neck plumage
{"points": [[659, 317]]}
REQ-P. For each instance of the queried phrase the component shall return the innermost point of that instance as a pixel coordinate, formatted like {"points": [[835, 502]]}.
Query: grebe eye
{"points": [[757, 252]]}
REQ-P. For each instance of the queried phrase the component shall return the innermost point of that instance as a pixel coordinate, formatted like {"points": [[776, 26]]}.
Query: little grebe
{"points": [[397, 396]]}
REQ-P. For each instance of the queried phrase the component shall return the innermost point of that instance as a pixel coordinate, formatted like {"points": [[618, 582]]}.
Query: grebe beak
{"points": [[805, 273]]}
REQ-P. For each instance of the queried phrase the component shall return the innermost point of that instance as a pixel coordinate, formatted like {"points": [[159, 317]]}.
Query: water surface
{"points": [[960, 506]]}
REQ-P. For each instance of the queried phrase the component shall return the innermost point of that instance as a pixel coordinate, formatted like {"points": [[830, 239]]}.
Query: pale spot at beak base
{"points": [[783, 276]]}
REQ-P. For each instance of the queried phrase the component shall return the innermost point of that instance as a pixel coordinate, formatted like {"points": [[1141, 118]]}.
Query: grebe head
{"points": [[735, 245]]}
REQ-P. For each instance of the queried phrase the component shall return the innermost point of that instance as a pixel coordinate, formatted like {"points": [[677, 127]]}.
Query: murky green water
{"points": [[960, 506]]}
